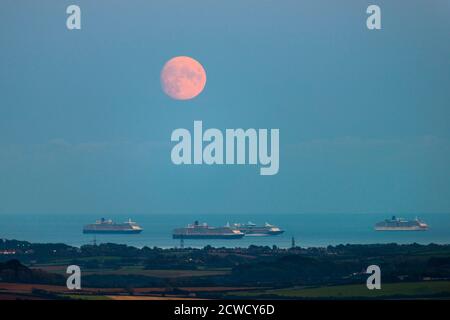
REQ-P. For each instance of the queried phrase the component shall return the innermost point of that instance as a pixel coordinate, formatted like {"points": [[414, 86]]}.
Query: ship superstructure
{"points": [[109, 227], [203, 231], [400, 224], [251, 229]]}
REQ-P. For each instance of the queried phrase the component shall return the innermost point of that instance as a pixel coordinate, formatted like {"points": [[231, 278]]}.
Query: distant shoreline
{"points": [[222, 247], [308, 230]]}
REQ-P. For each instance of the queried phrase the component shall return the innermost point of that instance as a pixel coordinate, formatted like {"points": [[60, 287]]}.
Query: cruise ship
{"points": [[400, 224], [203, 231], [109, 227], [251, 229]]}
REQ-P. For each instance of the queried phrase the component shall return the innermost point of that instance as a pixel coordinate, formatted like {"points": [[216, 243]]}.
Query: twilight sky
{"points": [[363, 115]]}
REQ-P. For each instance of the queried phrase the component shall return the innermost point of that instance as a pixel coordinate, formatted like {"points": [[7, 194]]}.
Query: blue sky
{"points": [[363, 115]]}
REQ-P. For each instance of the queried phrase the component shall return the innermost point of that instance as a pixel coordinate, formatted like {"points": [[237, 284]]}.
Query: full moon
{"points": [[183, 78]]}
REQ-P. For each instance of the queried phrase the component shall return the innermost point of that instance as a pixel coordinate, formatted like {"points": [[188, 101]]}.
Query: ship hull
{"points": [[400, 229], [251, 233], [207, 236], [112, 231], [255, 231]]}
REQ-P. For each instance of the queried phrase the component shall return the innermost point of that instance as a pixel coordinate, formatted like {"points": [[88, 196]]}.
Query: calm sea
{"points": [[307, 229]]}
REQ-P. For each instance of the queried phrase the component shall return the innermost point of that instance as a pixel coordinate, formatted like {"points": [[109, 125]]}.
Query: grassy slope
{"points": [[139, 270], [406, 289]]}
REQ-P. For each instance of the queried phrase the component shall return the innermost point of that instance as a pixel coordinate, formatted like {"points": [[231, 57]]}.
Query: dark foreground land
{"points": [[113, 271]]}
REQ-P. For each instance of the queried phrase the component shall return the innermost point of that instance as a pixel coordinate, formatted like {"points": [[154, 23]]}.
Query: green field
{"points": [[158, 273], [406, 289], [139, 270], [84, 297]]}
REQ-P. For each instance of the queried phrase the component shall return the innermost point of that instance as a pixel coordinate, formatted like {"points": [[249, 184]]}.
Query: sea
{"points": [[306, 230]]}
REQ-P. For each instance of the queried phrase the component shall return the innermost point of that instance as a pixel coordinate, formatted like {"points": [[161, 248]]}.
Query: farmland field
{"points": [[405, 289]]}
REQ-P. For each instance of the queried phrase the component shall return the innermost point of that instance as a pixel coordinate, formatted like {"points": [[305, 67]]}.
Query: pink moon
{"points": [[183, 78]]}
